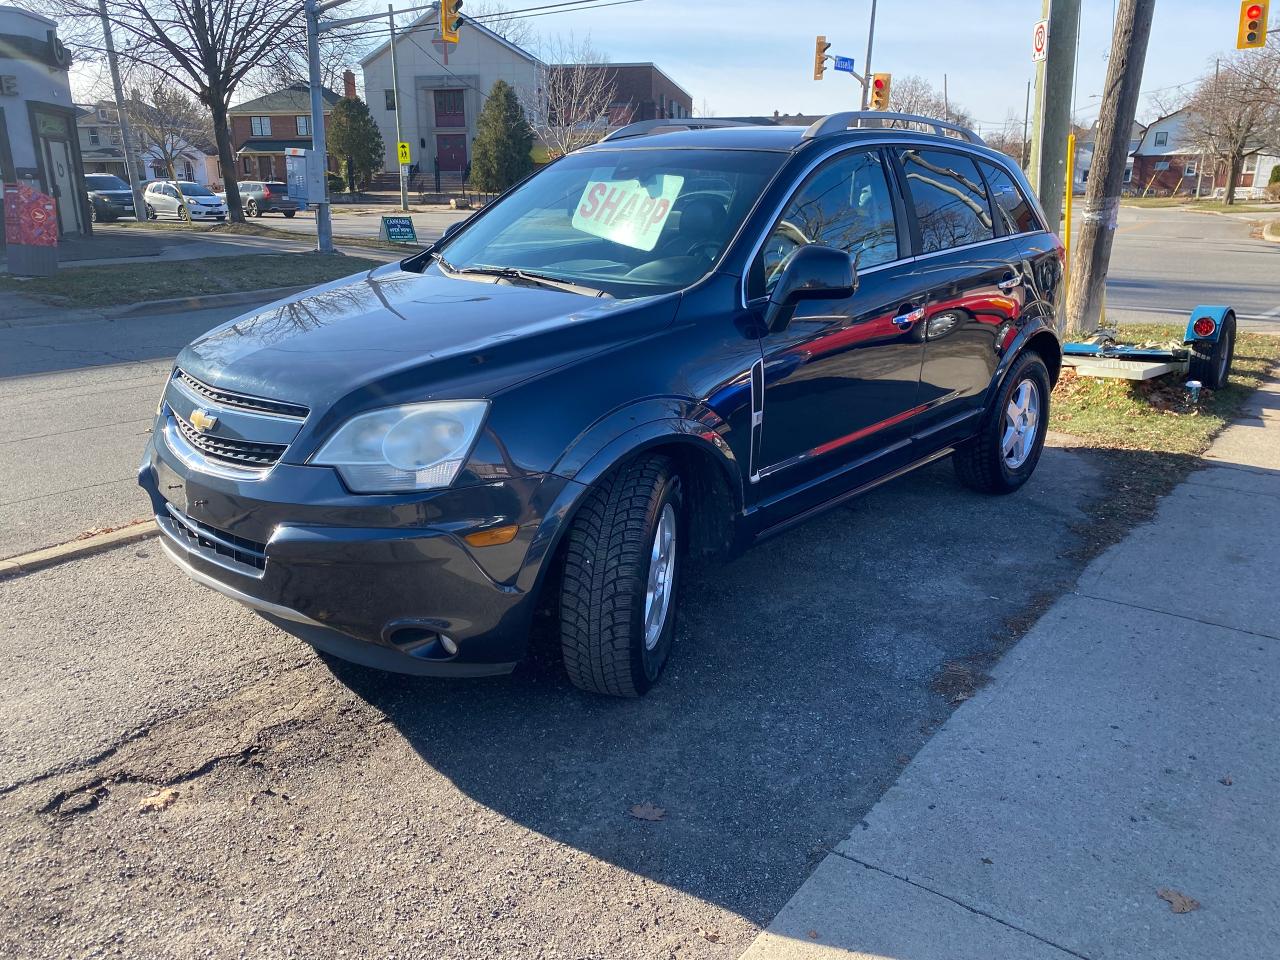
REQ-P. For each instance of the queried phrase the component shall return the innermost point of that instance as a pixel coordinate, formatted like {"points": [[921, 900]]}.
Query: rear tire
{"points": [[251, 209], [621, 577], [289, 214], [1004, 454], [1211, 362]]}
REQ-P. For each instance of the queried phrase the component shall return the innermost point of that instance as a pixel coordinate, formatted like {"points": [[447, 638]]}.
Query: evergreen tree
{"points": [[353, 136], [500, 153]]}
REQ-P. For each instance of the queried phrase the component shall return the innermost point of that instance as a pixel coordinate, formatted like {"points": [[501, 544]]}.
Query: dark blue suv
{"points": [[670, 344]]}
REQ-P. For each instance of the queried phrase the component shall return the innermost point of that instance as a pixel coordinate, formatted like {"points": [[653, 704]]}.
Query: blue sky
{"points": [[756, 56]]}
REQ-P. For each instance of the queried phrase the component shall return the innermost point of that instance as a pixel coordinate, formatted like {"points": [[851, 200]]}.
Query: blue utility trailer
{"points": [[1205, 355]]}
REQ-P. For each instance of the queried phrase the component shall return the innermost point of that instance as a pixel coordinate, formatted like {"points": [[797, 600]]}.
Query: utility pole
{"points": [[324, 225], [1106, 175], [132, 162], [1053, 119], [866, 66], [395, 97], [946, 100]]}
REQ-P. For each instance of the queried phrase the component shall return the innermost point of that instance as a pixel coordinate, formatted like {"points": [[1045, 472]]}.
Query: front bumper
{"points": [[386, 581], [207, 213]]}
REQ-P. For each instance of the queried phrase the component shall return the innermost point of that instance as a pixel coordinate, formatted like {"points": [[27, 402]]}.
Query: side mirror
{"points": [[815, 272], [452, 228]]}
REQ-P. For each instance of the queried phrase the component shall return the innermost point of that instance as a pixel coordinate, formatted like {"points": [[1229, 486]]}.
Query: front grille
{"points": [[210, 540], [240, 453], [228, 398]]}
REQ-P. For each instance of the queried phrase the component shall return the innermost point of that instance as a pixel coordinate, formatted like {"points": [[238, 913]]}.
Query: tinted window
{"points": [[1011, 206], [196, 190], [104, 181], [949, 198], [277, 187], [845, 204]]}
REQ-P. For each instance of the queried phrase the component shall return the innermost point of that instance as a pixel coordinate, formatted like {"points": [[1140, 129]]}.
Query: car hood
{"points": [[113, 194], [390, 336]]}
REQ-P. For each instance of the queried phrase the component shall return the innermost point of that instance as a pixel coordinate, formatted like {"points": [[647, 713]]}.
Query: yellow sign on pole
{"points": [[1066, 225], [402, 150]]}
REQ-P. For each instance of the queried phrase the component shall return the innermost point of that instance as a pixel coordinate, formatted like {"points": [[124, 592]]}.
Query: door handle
{"points": [[1009, 283], [909, 317]]}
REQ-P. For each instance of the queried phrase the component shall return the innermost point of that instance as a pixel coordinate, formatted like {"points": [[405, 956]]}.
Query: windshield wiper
{"points": [[514, 273]]}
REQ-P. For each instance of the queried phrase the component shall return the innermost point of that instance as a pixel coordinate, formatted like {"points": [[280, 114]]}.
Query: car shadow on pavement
{"points": [[805, 675]]}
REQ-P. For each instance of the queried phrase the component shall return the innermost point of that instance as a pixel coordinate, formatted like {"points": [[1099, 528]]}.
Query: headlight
{"points": [[420, 446]]}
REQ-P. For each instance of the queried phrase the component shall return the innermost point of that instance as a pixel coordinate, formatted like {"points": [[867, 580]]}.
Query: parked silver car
{"points": [[201, 203], [271, 196]]}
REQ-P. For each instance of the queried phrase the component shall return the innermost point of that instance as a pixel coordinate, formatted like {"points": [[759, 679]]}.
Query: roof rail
{"points": [[645, 128], [840, 122]]}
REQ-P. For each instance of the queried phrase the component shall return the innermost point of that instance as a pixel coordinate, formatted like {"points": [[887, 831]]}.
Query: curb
{"points": [[205, 301], [1271, 231], [49, 556]]}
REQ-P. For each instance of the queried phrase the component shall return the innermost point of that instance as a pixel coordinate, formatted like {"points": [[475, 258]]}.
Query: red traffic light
{"points": [[1254, 12], [879, 83]]}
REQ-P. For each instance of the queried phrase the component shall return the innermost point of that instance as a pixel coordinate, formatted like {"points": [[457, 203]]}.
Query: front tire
{"points": [[151, 212], [621, 576], [1004, 454], [251, 209]]}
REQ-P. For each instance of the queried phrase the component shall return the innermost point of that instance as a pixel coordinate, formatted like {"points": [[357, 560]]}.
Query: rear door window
{"points": [[1011, 206], [950, 201]]}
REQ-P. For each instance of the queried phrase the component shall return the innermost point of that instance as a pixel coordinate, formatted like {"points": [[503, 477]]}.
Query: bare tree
{"points": [[1236, 111], [169, 124], [914, 94], [703, 109], [206, 47], [496, 16], [1008, 138], [576, 91]]}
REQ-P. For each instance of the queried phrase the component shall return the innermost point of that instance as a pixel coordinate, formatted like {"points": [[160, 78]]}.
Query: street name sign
{"points": [[399, 230], [843, 64]]}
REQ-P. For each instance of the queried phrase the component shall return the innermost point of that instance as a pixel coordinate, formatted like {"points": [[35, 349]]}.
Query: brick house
{"points": [[263, 128], [641, 91], [1167, 162]]}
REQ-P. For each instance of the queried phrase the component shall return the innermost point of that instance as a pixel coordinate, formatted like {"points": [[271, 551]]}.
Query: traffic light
{"points": [[820, 48], [1253, 25], [450, 20], [879, 99]]}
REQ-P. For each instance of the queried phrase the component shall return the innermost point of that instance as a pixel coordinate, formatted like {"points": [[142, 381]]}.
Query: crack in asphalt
{"points": [[961, 903]]}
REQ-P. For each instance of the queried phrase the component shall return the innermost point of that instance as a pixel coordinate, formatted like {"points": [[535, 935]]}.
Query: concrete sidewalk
{"points": [[1128, 747]]}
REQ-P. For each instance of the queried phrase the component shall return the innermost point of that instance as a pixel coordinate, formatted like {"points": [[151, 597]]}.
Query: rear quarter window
{"points": [[1011, 206]]}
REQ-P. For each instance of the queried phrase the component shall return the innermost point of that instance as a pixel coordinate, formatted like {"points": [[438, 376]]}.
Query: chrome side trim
{"points": [[264, 606]]}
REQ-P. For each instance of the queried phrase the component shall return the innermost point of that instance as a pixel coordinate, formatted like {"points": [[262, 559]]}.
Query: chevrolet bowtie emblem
{"points": [[204, 422]]}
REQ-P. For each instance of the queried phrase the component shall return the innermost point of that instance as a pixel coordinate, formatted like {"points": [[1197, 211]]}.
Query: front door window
{"points": [[449, 109]]}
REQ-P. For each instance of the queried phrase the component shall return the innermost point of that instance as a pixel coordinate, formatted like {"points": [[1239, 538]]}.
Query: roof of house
{"points": [[295, 98], [430, 18]]}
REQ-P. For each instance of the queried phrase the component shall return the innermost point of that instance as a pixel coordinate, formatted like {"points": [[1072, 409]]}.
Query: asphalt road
{"points": [[326, 810], [1166, 262]]}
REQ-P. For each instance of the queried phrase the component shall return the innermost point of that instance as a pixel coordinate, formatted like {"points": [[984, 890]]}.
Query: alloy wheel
{"points": [[1021, 423], [662, 568]]}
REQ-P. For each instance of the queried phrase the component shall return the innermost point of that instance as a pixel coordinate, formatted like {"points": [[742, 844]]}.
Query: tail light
{"points": [[266, 193], [1204, 327]]}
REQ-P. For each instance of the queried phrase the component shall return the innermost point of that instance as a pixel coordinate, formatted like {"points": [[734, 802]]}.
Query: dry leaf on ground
{"points": [[647, 811], [1178, 902], [709, 935], [158, 801]]}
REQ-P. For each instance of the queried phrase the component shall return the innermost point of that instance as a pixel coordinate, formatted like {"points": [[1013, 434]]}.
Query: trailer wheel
{"points": [[1211, 362]]}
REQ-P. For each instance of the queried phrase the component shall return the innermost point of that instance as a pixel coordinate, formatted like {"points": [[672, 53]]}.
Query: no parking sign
{"points": [[1040, 41]]}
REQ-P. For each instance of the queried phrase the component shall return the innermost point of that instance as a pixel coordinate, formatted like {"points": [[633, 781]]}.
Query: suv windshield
{"points": [[628, 222], [195, 190], [104, 181]]}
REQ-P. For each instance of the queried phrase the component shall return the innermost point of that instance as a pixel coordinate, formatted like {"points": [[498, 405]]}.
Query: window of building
{"points": [[449, 108], [1190, 169], [390, 99], [846, 204], [1011, 206], [1162, 138], [950, 202], [1250, 164], [304, 126], [1128, 174], [188, 171], [94, 139], [1162, 166], [248, 165], [260, 126]]}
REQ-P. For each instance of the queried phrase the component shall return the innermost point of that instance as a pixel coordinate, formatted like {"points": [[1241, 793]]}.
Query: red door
{"points": [[451, 148]]}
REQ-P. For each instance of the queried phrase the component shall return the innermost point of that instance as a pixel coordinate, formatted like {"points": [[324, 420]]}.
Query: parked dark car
{"points": [[671, 344], [259, 197], [110, 198]]}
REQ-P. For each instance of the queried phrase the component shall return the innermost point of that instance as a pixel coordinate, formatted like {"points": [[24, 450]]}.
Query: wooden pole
{"points": [[1106, 173]]}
